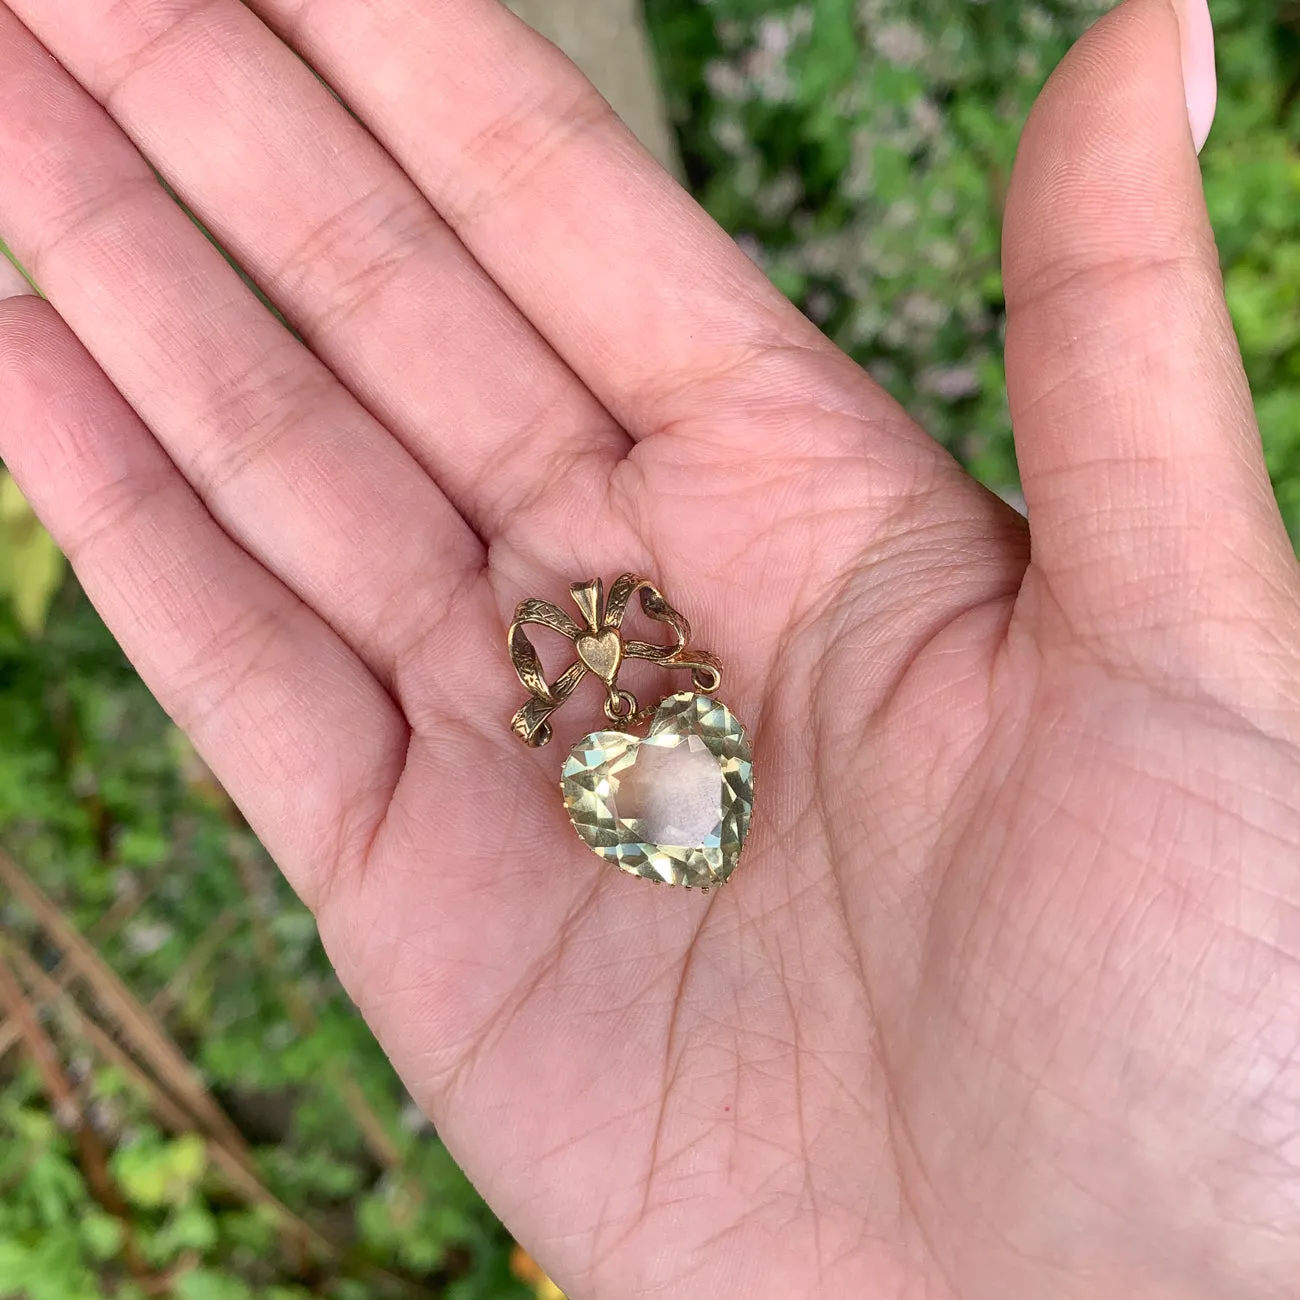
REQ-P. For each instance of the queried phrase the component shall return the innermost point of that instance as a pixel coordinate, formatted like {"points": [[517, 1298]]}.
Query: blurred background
{"points": [[189, 1106]]}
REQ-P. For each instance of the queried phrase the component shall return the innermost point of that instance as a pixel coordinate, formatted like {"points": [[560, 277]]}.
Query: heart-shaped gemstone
{"points": [[674, 805]]}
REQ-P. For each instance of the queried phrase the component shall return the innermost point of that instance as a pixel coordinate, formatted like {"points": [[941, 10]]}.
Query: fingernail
{"points": [[1200, 82], [13, 284]]}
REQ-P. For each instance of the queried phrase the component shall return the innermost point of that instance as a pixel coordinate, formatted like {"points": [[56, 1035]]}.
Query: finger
{"points": [[347, 247], [288, 463], [645, 297], [13, 283], [1147, 492], [259, 682]]}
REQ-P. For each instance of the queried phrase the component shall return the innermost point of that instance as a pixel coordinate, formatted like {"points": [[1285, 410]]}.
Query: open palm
{"points": [[1004, 999]]}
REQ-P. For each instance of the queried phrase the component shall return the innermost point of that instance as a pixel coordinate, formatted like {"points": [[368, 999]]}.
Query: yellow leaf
{"points": [[13, 505], [37, 575], [31, 565], [528, 1270]]}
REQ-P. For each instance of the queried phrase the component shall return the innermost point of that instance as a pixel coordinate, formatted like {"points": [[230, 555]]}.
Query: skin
{"points": [[1004, 1000]]}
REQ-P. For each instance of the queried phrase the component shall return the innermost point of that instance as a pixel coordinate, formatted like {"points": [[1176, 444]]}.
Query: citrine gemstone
{"points": [[672, 806]]}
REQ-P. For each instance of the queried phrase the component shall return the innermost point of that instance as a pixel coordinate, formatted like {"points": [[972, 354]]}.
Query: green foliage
{"points": [[114, 815], [154, 1173], [861, 150], [1252, 183], [46, 1253]]}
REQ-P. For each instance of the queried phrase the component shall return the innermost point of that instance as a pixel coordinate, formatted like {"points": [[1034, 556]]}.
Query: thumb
{"points": [[1153, 523]]}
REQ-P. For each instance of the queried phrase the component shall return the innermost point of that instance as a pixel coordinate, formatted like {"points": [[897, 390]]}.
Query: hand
{"points": [[1004, 1000]]}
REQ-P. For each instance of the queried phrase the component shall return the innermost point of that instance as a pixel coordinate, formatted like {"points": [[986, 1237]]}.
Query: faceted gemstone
{"points": [[673, 806]]}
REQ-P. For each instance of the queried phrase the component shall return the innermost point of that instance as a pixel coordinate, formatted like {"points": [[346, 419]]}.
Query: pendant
{"points": [[673, 805]]}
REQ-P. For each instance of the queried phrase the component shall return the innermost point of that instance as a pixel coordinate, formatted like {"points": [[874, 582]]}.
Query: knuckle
{"points": [[348, 259], [160, 26], [250, 414], [88, 219], [1082, 276], [226, 659], [517, 145], [110, 508]]}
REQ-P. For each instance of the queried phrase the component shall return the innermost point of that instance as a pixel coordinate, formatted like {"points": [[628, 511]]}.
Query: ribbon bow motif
{"points": [[601, 650]]}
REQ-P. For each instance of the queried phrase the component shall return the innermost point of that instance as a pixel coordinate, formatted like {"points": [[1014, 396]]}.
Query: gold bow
{"points": [[601, 650]]}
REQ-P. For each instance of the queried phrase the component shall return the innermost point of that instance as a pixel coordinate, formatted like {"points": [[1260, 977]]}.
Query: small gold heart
{"points": [[602, 654]]}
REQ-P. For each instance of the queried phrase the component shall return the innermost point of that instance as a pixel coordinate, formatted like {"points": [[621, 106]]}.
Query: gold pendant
{"points": [[673, 805]]}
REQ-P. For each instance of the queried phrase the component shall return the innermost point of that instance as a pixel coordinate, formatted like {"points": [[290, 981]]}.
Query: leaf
{"points": [[31, 564], [13, 505], [55, 1187], [15, 1267], [157, 1174], [102, 1235], [206, 1284], [192, 1228], [528, 1270]]}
